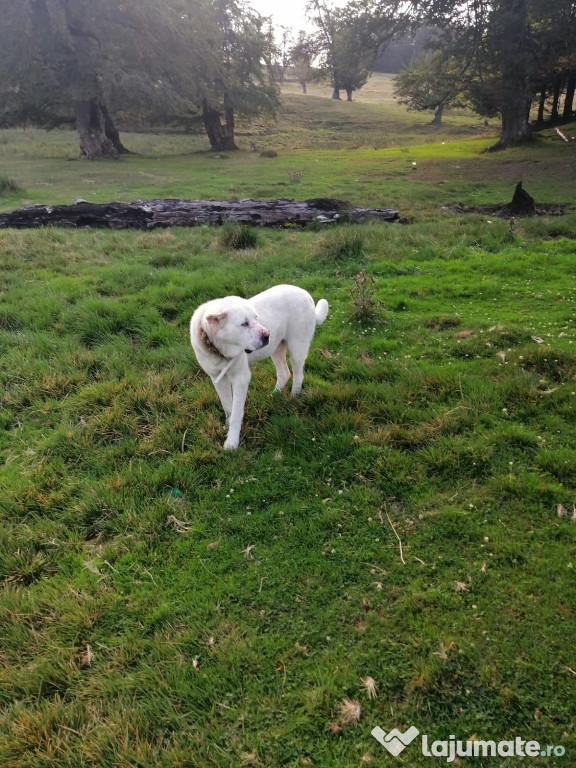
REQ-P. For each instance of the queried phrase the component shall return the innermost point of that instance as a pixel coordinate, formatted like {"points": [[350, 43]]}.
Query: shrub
{"points": [[238, 236], [268, 153], [365, 306]]}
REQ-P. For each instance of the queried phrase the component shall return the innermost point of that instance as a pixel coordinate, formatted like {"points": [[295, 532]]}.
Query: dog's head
{"points": [[233, 327]]}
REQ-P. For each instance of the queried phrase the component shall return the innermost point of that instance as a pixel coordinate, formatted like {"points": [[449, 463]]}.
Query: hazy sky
{"points": [[287, 13]]}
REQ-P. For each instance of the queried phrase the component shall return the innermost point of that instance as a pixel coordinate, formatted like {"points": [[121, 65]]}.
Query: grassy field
{"points": [[385, 550]]}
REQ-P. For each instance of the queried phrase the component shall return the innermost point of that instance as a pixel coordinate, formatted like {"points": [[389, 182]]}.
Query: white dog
{"points": [[229, 334]]}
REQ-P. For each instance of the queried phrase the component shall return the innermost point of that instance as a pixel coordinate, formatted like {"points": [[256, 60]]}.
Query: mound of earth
{"points": [[522, 204], [503, 211]]}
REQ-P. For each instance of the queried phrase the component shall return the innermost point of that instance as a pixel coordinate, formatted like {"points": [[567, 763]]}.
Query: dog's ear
{"points": [[217, 319]]}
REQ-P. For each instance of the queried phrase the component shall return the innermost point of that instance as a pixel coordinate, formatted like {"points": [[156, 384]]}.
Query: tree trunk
{"points": [[91, 128], [569, 98], [515, 127], [438, 115], [303, 84], [112, 132], [348, 94], [542, 105], [515, 96], [522, 203], [220, 136], [191, 213], [336, 93], [555, 101]]}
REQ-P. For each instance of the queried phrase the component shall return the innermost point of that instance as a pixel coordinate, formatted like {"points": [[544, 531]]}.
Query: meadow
{"points": [[394, 548]]}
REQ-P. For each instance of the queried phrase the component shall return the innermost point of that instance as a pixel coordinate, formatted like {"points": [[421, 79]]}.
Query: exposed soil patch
{"points": [[503, 210], [522, 205]]}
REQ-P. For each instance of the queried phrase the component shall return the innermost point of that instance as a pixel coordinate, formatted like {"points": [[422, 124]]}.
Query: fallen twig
{"points": [[399, 539]]}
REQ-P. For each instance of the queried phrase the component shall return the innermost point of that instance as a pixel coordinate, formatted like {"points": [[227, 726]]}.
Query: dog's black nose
{"points": [[265, 339]]}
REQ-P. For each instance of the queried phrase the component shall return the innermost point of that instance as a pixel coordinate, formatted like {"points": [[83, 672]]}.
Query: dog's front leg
{"points": [[224, 390], [240, 381]]}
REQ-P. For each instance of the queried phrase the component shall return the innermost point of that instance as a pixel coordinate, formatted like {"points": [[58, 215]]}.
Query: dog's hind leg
{"points": [[298, 353], [282, 370]]}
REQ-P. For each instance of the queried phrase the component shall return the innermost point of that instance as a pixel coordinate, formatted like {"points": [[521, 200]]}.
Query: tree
{"points": [[302, 55], [282, 50], [552, 32], [350, 63], [343, 43], [87, 58], [527, 47], [430, 82], [238, 78], [326, 19], [514, 49], [350, 38], [507, 40]]}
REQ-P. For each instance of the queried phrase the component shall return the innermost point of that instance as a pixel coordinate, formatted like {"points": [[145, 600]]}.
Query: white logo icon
{"points": [[395, 741]]}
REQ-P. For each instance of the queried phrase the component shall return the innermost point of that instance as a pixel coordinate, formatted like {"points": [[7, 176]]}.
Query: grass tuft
{"points": [[341, 243], [9, 187], [238, 237]]}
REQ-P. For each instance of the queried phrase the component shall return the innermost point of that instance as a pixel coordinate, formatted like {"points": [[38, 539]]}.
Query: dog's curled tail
{"points": [[321, 311]]}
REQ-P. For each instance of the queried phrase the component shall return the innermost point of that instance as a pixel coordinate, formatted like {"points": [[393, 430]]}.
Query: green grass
{"points": [[166, 603], [362, 151], [238, 236]]}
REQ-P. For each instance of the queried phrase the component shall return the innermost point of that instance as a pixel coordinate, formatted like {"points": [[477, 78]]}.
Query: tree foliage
{"points": [[89, 59], [240, 77], [63, 51], [553, 34], [432, 81], [301, 57], [349, 38], [509, 50]]}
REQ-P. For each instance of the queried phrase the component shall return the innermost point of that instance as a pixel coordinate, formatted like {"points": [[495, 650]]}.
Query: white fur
{"points": [[230, 334]]}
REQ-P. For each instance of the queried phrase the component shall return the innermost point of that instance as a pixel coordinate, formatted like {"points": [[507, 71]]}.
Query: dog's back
{"points": [[289, 314]]}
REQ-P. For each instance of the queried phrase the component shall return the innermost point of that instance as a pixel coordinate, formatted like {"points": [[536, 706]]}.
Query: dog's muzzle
{"points": [[263, 342]]}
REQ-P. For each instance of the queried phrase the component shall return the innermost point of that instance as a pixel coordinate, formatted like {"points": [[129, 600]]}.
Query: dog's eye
{"points": [[245, 324]]}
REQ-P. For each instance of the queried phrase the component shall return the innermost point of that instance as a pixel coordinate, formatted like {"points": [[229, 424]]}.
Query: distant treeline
{"points": [[399, 54]]}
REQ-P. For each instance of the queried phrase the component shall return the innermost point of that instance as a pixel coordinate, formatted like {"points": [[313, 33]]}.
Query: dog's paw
{"points": [[230, 445]]}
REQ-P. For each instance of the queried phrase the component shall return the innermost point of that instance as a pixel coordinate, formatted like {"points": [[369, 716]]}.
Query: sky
{"points": [[287, 13]]}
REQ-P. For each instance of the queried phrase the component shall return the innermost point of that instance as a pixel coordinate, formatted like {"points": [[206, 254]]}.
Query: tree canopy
{"points": [[430, 82], [301, 57], [509, 51], [85, 60], [240, 79], [348, 39]]}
